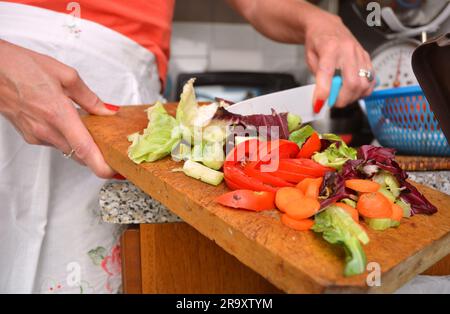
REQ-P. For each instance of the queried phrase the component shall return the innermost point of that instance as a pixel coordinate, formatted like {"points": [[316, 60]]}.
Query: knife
{"points": [[296, 101]]}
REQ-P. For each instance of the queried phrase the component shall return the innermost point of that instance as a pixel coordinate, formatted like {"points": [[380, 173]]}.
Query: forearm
{"points": [[281, 20]]}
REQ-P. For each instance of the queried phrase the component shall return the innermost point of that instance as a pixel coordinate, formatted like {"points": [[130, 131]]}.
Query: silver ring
{"points": [[367, 74], [69, 155]]}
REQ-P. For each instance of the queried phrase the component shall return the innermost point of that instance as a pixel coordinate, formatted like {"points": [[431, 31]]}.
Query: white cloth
{"points": [[51, 236]]}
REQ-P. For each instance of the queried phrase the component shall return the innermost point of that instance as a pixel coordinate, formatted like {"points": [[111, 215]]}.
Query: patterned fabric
{"points": [[52, 238]]}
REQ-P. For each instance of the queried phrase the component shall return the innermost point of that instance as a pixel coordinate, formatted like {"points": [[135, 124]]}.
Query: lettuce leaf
{"points": [[300, 136], [338, 227], [189, 113], [336, 155], [158, 139], [188, 107], [294, 122], [213, 155], [331, 137]]}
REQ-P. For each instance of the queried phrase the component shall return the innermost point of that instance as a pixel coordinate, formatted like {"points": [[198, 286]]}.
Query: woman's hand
{"points": [[37, 95], [329, 45]]}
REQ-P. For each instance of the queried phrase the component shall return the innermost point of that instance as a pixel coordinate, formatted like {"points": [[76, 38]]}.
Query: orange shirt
{"points": [[148, 22]]}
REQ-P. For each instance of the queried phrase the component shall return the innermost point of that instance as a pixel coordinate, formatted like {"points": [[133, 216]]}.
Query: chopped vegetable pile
{"points": [[316, 181]]}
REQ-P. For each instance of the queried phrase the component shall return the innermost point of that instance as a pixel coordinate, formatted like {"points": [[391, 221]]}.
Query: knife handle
{"points": [[336, 85]]}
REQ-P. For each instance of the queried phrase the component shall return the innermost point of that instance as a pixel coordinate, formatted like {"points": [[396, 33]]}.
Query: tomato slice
{"points": [[256, 150], [246, 199], [310, 163], [235, 178], [311, 146], [292, 177], [233, 185], [278, 149], [303, 166], [242, 166], [245, 150], [251, 170]]}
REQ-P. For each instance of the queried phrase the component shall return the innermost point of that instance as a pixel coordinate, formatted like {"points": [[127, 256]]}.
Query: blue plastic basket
{"points": [[401, 118]]}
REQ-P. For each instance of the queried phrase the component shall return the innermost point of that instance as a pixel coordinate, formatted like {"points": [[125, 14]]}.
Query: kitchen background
{"points": [[209, 36]]}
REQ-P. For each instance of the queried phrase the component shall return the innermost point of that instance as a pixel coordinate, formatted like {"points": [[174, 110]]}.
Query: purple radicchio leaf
{"points": [[384, 158], [419, 204], [378, 154], [333, 188], [371, 158], [350, 170], [258, 120]]}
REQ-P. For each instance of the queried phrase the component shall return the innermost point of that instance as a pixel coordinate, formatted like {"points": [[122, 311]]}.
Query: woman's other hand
{"points": [[329, 45]]}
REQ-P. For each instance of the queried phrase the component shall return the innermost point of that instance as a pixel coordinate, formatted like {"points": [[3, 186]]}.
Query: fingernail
{"points": [[318, 105], [112, 107], [118, 176]]}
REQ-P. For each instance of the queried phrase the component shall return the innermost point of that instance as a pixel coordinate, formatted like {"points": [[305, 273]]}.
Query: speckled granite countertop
{"points": [[123, 203]]}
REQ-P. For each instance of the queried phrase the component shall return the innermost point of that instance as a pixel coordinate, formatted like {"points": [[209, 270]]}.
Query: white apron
{"points": [[51, 237]]}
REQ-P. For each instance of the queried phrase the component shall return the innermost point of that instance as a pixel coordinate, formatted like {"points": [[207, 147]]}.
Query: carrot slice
{"points": [[310, 187], [352, 211], [303, 185], [302, 209], [363, 186], [374, 205], [397, 212], [313, 188], [299, 225], [286, 196]]}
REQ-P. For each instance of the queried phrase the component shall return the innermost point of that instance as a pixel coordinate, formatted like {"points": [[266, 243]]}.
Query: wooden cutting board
{"points": [[296, 262]]}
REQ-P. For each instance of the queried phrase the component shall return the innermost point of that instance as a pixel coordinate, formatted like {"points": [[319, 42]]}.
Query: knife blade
{"points": [[296, 101]]}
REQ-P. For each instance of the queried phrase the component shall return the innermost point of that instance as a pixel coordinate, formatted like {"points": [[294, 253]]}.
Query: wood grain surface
{"points": [[176, 258], [131, 261], [295, 262], [423, 163]]}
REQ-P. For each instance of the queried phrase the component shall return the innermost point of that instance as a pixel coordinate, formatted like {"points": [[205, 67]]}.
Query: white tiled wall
{"points": [[199, 47]]}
